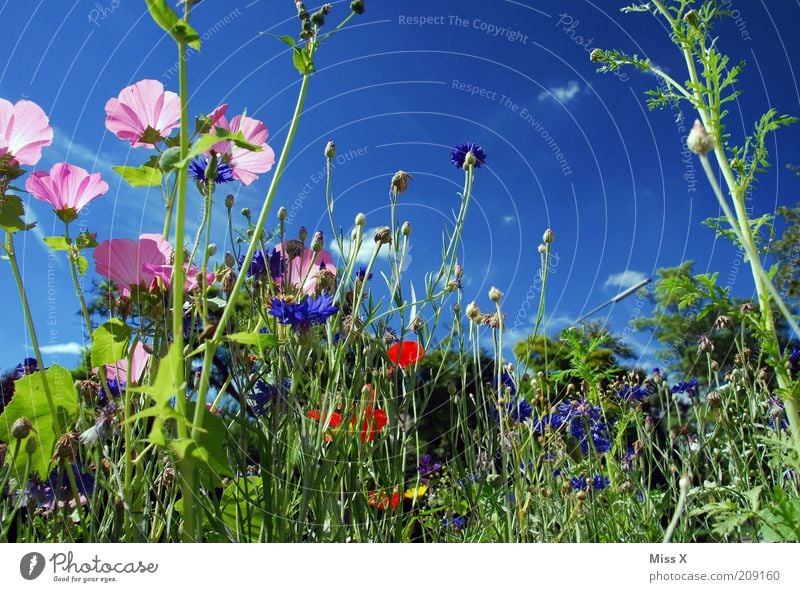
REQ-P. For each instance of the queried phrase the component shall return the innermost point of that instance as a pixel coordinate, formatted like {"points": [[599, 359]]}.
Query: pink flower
{"points": [[141, 106], [146, 263], [124, 261], [246, 164], [119, 370], [305, 268], [24, 130], [67, 188]]}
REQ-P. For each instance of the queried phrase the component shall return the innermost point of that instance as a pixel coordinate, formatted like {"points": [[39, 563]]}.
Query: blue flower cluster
{"points": [[302, 315], [596, 483], [57, 488], [583, 421], [516, 410]]}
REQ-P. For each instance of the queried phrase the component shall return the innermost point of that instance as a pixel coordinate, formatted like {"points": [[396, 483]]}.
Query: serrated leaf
{"points": [[11, 212], [30, 402], [143, 176], [110, 342], [57, 243], [261, 340]]}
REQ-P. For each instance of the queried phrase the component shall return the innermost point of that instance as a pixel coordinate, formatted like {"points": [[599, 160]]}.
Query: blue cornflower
{"points": [[115, 387], [635, 394], [456, 522], [507, 382], [361, 274], [584, 422], [197, 170], [690, 387], [427, 467], [459, 153], [302, 315], [264, 394], [582, 483], [57, 489], [515, 410]]}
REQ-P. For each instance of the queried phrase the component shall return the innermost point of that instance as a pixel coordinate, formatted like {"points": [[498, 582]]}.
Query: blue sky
{"points": [[567, 148]]}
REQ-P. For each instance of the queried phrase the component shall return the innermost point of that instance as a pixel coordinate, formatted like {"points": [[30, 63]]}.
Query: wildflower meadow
{"points": [[304, 288]]}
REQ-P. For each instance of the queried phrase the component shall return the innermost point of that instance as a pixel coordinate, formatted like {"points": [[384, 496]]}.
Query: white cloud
{"points": [[509, 218], [563, 94], [364, 252], [68, 349], [79, 154], [624, 280]]}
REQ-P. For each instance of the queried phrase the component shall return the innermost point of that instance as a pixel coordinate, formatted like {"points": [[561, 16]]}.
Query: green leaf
{"points": [[11, 212], [57, 243], [262, 340], [287, 39], [30, 402], [110, 342], [241, 508], [82, 263], [161, 392], [302, 60], [143, 176], [210, 447], [167, 19], [206, 141]]}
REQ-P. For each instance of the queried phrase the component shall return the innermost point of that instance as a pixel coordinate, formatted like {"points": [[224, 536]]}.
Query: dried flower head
{"points": [[698, 140], [400, 182], [383, 235]]}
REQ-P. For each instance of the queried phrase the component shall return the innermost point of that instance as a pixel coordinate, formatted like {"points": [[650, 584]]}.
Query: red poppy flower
{"points": [[406, 353], [335, 419], [382, 500], [374, 420]]}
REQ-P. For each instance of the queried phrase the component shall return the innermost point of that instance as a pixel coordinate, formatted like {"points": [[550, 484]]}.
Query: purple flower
{"points": [[690, 387], [57, 491], [582, 483], [361, 274], [584, 422], [264, 394], [427, 468], [302, 315], [456, 522], [777, 414], [460, 152], [635, 394], [197, 170]]}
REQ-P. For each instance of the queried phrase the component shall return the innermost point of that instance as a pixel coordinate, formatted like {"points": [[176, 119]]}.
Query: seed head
{"points": [[361, 219], [406, 228], [229, 201], [383, 235], [473, 312], [330, 150], [400, 182], [281, 213], [495, 295], [548, 237]]}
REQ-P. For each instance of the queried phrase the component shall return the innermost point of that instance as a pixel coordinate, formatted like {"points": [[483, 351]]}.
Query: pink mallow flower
{"points": [[142, 106], [119, 370], [24, 131], [145, 263], [305, 268], [246, 164], [67, 188]]}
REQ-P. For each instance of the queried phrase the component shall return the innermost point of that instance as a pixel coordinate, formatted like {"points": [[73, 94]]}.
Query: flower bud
{"points": [[169, 159], [229, 201], [281, 213], [473, 312], [691, 17], [317, 242], [596, 55], [704, 345], [685, 482], [246, 213], [31, 445], [383, 235], [212, 249], [361, 219], [495, 295], [459, 271], [400, 182], [330, 150], [229, 259], [469, 160], [406, 228], [698, 140], [548, 237], [542, 249], [357, 6], [21, 428], [228, 281], [714, 399], [302, 234]]}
